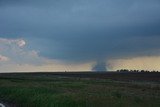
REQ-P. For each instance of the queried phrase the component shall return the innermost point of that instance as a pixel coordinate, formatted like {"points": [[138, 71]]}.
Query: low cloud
{"points": [[18, 42], [100, 66], [21, 43], [3, 58], [15, 56], [18, 54]]}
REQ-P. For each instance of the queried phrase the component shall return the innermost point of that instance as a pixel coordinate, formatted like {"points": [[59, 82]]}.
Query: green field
{"points": [[57, 91]]}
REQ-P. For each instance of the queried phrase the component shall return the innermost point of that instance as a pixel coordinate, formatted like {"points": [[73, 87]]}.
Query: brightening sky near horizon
{"points": [[79, 35]]}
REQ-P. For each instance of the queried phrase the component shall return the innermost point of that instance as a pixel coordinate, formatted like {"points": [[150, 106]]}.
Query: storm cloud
{"points": [[84, 30], [99, 66]]}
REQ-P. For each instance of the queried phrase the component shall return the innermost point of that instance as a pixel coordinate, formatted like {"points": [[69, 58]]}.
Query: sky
{"points": [[79, 35]]}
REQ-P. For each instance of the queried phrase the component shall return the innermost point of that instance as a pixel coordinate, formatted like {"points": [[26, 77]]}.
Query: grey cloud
{"points": [[100, 67], [84, 30]]}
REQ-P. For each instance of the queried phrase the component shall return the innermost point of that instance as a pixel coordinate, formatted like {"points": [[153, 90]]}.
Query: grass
{"points": [[26, 91]]}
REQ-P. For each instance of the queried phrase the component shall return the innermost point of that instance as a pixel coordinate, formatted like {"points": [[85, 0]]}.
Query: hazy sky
{"points": [[59, 35]]}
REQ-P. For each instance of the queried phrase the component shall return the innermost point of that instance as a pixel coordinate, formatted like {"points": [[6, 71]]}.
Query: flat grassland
{"points": [[82, 89]]}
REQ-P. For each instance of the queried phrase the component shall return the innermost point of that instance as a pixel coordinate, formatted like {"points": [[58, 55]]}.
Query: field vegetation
{"points": [[31, 90]]}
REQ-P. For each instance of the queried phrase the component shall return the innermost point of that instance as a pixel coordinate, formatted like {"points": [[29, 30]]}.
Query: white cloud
{"points": [[14, 57], [3, 58], [18, 42], [21, 42], [17, 53]]}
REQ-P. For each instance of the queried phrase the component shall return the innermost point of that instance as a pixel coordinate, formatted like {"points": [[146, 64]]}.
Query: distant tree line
{"points": [[126, 70]]}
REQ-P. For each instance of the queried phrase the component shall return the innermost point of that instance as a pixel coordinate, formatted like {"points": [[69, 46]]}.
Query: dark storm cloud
{"points": [[84, 30], [100, 66]]}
